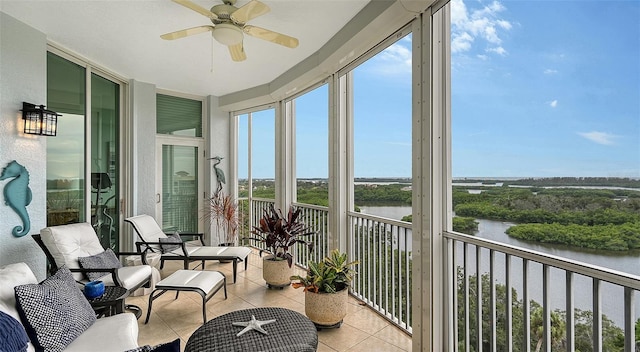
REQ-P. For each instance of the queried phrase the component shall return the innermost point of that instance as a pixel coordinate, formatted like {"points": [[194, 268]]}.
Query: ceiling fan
{"points": [[230, 25]]}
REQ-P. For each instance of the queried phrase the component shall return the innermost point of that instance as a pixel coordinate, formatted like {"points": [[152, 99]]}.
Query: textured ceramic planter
{"points": [[276, 273], [326, 309]]}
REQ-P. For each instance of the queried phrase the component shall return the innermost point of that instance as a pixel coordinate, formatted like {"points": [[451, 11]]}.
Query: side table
{"points": [[111, 302], [291, 331]]}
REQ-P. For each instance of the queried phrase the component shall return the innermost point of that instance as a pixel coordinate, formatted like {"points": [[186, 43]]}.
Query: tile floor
{"points": [[362, 329]]}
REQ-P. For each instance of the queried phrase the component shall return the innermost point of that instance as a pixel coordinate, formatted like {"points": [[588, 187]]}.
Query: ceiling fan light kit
{"points": [[227, 34], [229, 26]]}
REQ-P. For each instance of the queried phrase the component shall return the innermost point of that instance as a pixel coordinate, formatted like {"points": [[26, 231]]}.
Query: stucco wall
{"points": [[23, 64]]}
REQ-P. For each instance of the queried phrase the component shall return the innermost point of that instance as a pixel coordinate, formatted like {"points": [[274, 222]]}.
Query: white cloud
{"points": [[554, 103], [461, 42], [498, 50], [395, 59], [477, 26], [599, 137], [550, 71]]}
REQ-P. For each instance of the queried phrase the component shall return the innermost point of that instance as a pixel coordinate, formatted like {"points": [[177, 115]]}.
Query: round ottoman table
{"points": [[291, 331]]}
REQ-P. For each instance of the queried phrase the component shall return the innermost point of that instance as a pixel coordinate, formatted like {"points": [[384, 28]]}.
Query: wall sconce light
{"points": [[38, 120]]}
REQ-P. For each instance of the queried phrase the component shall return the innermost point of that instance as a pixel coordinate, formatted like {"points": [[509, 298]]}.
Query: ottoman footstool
{"points": [[205, 283]]}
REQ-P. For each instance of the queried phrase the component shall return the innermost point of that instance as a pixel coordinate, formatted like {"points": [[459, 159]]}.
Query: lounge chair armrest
{"points": [[162, 244], [199, 236], [142, 254], [113, 271]]}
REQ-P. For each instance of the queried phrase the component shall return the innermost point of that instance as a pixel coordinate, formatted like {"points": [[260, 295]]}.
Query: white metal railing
{"points": [[383, 248], [380, 245], [315, 217], [485, 278]]}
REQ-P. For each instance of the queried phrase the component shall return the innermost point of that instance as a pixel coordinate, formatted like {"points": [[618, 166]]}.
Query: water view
{"points": [[628, 261]]}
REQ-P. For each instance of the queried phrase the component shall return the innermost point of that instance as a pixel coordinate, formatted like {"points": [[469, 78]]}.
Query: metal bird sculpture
{"points": [[219, 173]]}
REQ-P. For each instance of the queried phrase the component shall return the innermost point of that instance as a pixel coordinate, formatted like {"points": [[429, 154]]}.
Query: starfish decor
{"points": [[253, 324]]}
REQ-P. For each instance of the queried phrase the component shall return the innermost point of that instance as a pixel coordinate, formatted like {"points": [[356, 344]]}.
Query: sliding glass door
{"points": [[83, 159]]}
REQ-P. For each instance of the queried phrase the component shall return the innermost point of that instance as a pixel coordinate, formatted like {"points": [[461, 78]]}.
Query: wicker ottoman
{"points": [[291, 331]]}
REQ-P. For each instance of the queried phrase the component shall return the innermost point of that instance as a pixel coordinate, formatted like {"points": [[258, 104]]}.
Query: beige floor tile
{"points": [[394, 336], [375, 344], [342, 338], [324, 348], [171, 319], [366, 320]]}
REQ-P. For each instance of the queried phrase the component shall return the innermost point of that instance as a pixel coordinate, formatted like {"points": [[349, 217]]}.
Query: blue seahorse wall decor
{"points": [[17, 195]]}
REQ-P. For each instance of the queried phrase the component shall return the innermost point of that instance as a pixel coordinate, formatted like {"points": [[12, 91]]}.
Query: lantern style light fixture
{"points": [[38, 120]]}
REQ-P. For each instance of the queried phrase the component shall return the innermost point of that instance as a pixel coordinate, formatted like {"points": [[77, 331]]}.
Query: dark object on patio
{"points": [[291, 331], [65, 244], [151, 234]]}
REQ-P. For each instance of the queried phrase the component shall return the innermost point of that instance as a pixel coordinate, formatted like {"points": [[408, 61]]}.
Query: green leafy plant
{"points": [[280, 233], [332, 274]]}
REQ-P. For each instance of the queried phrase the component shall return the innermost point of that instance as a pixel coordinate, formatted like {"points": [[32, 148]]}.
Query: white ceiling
{"points": [[124, 37]]}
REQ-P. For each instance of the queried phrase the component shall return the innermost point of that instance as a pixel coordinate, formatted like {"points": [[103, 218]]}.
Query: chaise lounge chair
{"points": [[155, 240]]}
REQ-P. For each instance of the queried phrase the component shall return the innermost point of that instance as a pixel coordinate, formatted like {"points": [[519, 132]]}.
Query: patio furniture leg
{"points": [[235, 269], [152, 297]]}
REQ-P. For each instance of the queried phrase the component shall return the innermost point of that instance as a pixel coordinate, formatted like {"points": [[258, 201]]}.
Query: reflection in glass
{"points": [[65, 152], [179, 188], [104, 160]]}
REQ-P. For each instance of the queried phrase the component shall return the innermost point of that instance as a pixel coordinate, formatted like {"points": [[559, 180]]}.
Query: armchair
{"points": [[65, 244]]}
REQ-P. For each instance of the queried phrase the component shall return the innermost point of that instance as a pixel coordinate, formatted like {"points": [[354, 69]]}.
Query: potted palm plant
{"points": [[326, 288], [279, 234]]}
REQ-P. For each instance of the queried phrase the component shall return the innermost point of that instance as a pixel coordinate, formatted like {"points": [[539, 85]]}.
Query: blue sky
{"points": [[546, 88], [539, 88]]}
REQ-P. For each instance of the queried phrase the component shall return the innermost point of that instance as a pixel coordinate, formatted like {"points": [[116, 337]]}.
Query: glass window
{"points": [[382, 132], [66, 152], [105, 117], [545, 147], [178, 116], [263, 154], [312, 138]]}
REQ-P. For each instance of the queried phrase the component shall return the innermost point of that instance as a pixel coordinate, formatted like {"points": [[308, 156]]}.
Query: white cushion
{"points": [[130, 276], [204, 280], [68, 242], [10, 276], [147, 228], [116, 333]]}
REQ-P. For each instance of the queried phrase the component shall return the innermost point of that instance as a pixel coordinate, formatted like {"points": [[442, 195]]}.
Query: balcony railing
{"points": [[382, 247], [501, 297], [486, 278]]}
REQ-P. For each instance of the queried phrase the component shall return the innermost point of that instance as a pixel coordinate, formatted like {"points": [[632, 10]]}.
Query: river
{"points": [[611, 296]]}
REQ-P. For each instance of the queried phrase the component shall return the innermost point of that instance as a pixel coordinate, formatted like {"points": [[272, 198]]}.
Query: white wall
{"points": [[143, 117], [219, 145], [23, 64]]}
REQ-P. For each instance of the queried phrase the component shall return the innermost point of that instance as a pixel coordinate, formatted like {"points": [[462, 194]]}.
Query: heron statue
{"points": [[219, 173]]}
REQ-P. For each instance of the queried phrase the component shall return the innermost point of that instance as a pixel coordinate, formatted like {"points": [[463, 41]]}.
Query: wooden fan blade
{"points": [[237, 52], [186, 32], [197, 8], [249, 11], [271, 36]]}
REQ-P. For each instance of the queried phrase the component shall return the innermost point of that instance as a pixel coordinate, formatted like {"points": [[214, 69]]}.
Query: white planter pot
{"points": [[326, 309], [276, 273]]}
